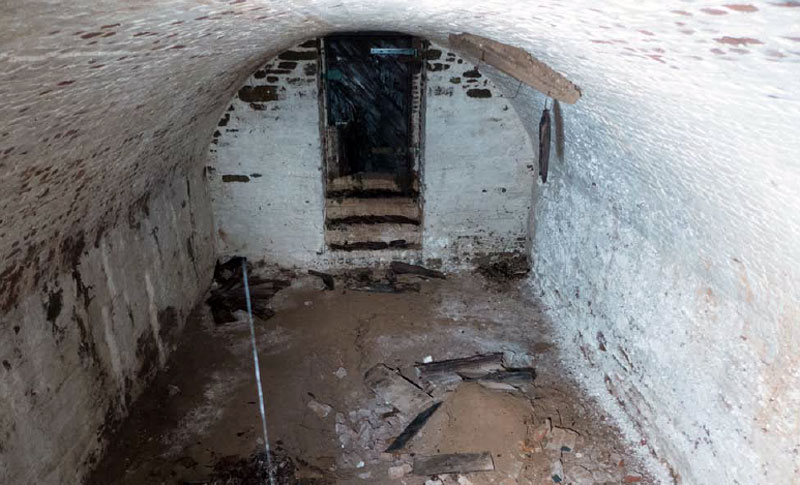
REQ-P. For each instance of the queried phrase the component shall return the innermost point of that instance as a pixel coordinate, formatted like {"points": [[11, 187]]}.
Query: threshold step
{"points": [[371, 194], [375, 246], [337, 222], [367, 181], [382, 232], [396, 206]]}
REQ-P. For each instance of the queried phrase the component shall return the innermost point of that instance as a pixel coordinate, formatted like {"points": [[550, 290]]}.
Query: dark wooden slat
{"points": [[395, 390], [413, 427], [453, 463], [517, 63], [405, 268], [371, 219], [326, 278], [475, 366]]}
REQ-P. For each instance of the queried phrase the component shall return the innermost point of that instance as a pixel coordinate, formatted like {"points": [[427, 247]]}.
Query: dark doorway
{"points": [[372, 98], [368, 86]]}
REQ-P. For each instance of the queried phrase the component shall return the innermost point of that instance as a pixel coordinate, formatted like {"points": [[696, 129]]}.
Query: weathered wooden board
{"points": [[514, 376], [413, 427], [404, 268], [453, 463], [517, 63], [395, 390], [326, 278], [469, 367]]}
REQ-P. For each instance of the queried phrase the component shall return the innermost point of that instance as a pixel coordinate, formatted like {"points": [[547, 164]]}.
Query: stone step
{"points": [[386, 233], [367, 181], [397, 206]]}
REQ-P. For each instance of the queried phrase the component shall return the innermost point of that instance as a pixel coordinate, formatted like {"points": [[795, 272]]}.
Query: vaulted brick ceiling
{"points": [[686, 132], [103, 101]]}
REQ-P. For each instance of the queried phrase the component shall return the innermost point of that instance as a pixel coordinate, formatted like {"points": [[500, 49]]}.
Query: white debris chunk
{"points": [[340, 373], [562, 439], [320, 409], [399, 471]]}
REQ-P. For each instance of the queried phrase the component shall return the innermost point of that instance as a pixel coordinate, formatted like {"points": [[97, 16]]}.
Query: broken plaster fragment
{"points": [[542, 431], [396, 391], [340, 373], [320, 409], [497, 386], [557, 472], [562, 439], [399, 471]]}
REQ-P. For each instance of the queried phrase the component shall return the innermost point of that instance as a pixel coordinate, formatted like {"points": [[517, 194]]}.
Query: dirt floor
{"points": [[199, 422]]}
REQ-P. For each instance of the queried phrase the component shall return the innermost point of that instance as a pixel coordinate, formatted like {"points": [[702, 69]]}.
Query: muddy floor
{"points": [[199, 422]]}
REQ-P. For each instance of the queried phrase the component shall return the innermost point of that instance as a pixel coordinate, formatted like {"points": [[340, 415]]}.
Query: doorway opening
{"points": [[372, 85]]}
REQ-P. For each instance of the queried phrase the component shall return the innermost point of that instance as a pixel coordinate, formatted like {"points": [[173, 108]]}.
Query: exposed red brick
{"points": [[738, 40], [739, 7]]}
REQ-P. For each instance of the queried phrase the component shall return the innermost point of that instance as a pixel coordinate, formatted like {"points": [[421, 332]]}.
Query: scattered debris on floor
{"points": [[399, 277], [453, 463], [393, 389], [365, 388], [503, 267], [253, 470], [489, 370], [227, 294], [326, 278], [398, 267], [320, 409], [412, 429], [390, 287]]}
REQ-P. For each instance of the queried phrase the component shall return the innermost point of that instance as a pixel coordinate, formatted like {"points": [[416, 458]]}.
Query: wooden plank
{"points": [[413, 427], [395, 287], [518, 64], [368, 181], [453, 463], [474, 366], [400, 267], [395, 390], [326, 278], [515, 376], [385, 233], [448, 374], [397, 206]]}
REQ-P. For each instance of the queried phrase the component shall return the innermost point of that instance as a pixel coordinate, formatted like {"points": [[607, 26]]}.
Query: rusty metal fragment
{"points": [[544, 144], [558, 119]]}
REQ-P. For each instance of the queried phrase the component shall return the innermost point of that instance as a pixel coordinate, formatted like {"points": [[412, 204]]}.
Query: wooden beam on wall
{"points": [[518, 64]]}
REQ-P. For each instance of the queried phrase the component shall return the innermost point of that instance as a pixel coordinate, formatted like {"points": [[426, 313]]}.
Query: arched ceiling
{"points": [[104, 100], [687, 130]]}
